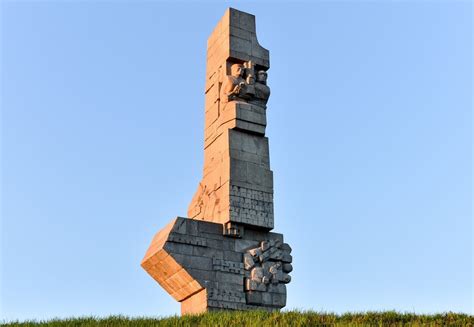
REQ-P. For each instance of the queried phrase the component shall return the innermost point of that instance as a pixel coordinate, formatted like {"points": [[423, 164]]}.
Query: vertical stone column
{"points": [[225, 256], [237, 185]]}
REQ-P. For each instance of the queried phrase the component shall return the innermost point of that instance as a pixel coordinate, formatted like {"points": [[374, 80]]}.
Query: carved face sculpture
{"points": [[237, 70], [262, 77]]}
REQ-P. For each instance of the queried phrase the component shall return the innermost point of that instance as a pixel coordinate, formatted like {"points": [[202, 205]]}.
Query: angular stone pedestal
{"points": [[205, 270]]}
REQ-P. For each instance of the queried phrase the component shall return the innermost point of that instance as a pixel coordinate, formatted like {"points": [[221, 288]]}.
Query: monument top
{"points": [[234, 40]]}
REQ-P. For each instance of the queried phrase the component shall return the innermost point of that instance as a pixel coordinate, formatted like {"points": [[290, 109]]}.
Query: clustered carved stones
{"points": [[243, 84], [267, 268]]}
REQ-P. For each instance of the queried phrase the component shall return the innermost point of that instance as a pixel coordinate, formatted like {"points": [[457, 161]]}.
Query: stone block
{"points": [[229, 244], [239, 170], [249, 262], [253, 285], [241, 20], [233, 256], [187, 239], [278, 300], [241, 45], [229, 266], [259, 52], [185, 249], [277, 288], [196, 262], [240, 33], [259, 235], [254, 297], [228, 295], [252, 116], [215, 244], [217, 237], [208, 252], [242, 141], [210, 228], [267, 298], [235, 287], [247, 126], [163, 266], [250, 157], [226, 277], [192, 227], [179, 225], [195, 304], [252, 186]]}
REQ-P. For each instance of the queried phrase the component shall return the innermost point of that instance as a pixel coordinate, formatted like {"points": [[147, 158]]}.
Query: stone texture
{"points": [[225, 257], [202, 276], [235, 149]]}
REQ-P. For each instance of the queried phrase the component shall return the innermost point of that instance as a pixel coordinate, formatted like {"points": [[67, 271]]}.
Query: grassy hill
{"points": [[258, 318]]}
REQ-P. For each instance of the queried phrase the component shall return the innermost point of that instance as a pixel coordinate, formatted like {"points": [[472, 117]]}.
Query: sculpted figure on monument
{"points": [[234, 87], [241, 85], [262, 91]]}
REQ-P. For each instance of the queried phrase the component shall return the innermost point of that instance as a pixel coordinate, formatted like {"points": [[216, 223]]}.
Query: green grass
{"points": [[259, 318]]}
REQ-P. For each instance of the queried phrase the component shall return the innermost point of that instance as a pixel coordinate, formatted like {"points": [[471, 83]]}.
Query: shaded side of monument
{"points": [[224, 256]]}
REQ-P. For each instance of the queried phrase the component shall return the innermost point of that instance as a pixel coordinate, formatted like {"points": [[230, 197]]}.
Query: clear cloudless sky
{"points": [[370, 128]]}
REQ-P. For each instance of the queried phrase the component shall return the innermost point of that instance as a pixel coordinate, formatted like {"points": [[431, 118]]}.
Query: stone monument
{"points": [[224, 256]]}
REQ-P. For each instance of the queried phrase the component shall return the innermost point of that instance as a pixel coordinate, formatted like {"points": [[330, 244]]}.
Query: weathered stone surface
{"points": [[235, 149], [225, 257], [165, 269], [196, 303], [198, 275], [266, 272]]}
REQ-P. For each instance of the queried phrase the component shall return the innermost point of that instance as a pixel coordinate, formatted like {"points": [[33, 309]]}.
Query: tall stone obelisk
{"points": [[224, 256]]}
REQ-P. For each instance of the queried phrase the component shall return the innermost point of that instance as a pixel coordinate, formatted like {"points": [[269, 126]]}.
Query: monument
{"points": [[224, 257]]}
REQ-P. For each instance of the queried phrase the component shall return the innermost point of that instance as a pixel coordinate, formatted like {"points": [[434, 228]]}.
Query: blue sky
{"points": [[370, 128]]}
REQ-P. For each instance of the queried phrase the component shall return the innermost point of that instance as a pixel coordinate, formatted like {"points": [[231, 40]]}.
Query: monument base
{"points": [[206, 270]]}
